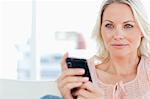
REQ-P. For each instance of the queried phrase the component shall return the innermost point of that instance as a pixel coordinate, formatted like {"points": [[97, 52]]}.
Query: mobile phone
{"points": [[79, 63]]}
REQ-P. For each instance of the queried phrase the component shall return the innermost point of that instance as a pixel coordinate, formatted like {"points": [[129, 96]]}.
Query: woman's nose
{"points": [[119, 34], [118, 37]]}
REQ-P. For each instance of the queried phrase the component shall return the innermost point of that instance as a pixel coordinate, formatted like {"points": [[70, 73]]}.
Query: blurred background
{"points": [[34, 34]]}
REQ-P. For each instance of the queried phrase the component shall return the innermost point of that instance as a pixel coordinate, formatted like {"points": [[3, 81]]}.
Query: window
{"points": [[16, 21], [36, 33]]}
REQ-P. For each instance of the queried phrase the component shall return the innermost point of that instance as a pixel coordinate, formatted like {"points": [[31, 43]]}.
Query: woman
{"points": [[121, 68]]}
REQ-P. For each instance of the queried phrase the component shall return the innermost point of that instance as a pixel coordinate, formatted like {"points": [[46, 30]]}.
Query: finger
{"points": [[70, 86], [63, 79], [74, 79], [90, 87], [80, 97], [72, 72], [82, 92], [63, 62], [68, 73]]}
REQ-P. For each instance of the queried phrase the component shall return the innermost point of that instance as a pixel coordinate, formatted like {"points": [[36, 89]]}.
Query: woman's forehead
{"points": [[118, 12]]}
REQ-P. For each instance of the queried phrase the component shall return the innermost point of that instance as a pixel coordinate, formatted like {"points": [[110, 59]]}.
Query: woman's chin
{"points": [[119, 54]]}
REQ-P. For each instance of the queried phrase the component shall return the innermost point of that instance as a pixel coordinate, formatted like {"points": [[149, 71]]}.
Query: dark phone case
{"points": [[79, 63]]}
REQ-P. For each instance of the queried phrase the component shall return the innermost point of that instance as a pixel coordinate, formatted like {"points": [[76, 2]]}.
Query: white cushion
{"points": [[15, 89]]}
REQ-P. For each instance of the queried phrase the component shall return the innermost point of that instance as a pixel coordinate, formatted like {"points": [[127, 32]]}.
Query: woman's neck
{"points": [[123, 66]]}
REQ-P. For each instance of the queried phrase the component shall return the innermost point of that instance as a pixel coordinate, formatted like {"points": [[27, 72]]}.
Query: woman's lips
{"points": [[119, 45]]}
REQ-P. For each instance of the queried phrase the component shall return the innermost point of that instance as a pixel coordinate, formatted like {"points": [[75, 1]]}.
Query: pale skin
{"points": [[122, 37]]}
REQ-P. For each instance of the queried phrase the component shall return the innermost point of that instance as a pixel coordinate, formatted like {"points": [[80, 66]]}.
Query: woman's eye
{"points": [[110, 26], [128, 26]]}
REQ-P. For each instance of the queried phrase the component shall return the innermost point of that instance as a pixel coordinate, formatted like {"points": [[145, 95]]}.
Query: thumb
{"points": [[63, 62]]}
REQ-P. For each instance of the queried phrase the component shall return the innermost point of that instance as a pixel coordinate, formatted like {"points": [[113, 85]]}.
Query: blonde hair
{"points": [[141, 18]]}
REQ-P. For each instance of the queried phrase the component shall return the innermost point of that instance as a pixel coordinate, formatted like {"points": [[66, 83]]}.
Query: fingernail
{"points": [[82, 70], [86, 78], [66, 54]]}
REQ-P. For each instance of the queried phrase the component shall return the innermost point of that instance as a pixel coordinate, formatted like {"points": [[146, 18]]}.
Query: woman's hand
{"points": [[89, 91], [69, 79]]}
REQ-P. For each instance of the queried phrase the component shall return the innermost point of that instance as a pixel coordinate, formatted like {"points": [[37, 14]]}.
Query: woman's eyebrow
{"points": [[108, 21], [123, 22], [129, 21]]}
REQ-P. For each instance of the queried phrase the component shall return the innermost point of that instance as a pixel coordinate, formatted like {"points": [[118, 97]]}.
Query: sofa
{"points": [[15, 89]]}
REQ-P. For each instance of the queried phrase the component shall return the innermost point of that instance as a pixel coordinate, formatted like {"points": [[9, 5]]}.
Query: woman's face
{"points": [[120, 31]]}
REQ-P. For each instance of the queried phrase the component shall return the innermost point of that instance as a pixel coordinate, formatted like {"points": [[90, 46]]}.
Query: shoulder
{"points": [[146, 64], [146, 60], [147, 57]]}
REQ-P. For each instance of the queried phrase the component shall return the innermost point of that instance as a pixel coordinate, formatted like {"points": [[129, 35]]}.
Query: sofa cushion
{"points": [[15, 89]]}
